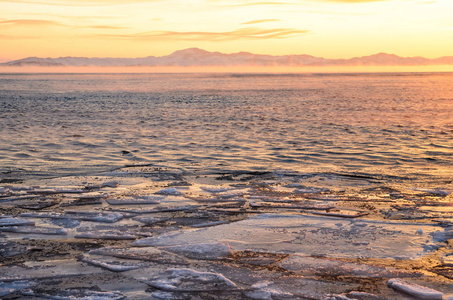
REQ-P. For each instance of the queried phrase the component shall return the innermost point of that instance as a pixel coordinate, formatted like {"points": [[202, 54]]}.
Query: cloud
{"points": [[354, 1], [258, 3], [32, 22], [79, 2], [260, 21], [247, 3], [240, 34], [104, 27]]}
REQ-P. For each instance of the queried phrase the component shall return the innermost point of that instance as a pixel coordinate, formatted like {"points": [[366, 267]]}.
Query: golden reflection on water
{"points": [[383, 124]]}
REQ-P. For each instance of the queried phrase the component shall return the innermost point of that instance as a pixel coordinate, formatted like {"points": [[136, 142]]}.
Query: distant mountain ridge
{"points": [[199, 57]]}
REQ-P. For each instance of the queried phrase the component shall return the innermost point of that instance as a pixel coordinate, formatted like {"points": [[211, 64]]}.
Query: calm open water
{"points": [[395, 126]]}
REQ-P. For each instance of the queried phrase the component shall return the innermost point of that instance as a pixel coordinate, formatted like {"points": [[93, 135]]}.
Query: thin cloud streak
{"points": [[87, 17], [31, 22], [260, 21], [79, 2], [104, 27], [257, 4], [34, 22], [241, 34], [293, 3], [354, 1]]}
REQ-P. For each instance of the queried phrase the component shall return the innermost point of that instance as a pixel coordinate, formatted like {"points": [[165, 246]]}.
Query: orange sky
{"points": [[138, 28]]}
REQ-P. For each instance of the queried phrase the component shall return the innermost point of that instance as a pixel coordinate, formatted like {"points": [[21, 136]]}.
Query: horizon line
{"points": [[7, 60]]}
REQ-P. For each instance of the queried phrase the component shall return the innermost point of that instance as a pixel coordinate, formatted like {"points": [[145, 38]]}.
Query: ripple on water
{"points": [[303, 123]]}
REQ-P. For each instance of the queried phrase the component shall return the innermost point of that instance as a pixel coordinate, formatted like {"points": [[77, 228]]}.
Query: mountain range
{"points": [[199, 57]]}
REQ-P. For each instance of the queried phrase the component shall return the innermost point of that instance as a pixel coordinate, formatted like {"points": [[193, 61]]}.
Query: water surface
{"points": [[393, 126]]}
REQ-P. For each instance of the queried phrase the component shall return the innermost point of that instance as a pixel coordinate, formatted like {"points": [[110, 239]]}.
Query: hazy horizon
{"points": [[195, 60]]}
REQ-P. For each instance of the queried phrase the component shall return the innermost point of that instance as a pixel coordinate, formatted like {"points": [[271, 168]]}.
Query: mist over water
{"points": [[394, 126]]}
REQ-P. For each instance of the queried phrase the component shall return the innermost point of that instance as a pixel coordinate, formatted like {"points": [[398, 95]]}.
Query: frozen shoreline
{"points": [[145, 233]]}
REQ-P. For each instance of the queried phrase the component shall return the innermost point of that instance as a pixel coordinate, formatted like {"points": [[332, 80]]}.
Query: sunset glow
{"points": [[139, 28]]}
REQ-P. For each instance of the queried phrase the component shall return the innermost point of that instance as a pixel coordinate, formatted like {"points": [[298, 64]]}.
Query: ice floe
{"points": [[188, 280], [92, 216], [35, 230], [46, 269], [216, 189], [75, 294], [418, 291], [433, 191], [143, 253], [264, 291], [106, 235], [7, 288], [306, 265], [255, 239], [201, 251], [139, 200], [208, 224], [113, 265], [170, 191], [10, 221], [311, 235]]}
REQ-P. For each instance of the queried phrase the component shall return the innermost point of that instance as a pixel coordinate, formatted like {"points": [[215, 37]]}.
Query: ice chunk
{"points": [[321, 235], [350, 214], [161, 295], [112, 184], [262, 291], [432, 191], [188, 280], [18, 198], [306, 265], [157, 209], [208, 224], [202, 251], [92, 216], [76, 294], [145, 253], [363, 296], [43, 191], [106, 235], [85, 200], [35, 230], [7, 288], [259, 294], [113, 265], [415, 290], [214, 200], [169, 191], [310, 190], [46, 269], [216, 189], [70, 191], [292, 205], [9, 249], [9, 221], [38, 205], [135, 200], [150, 220]]}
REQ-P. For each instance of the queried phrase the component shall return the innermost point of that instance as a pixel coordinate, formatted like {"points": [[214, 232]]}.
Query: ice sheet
{"points": [[311, 235]]}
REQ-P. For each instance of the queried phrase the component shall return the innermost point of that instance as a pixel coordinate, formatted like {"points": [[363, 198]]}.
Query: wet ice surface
{"points": [[272, 235]]}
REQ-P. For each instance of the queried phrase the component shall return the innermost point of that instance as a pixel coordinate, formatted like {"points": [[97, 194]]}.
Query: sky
{"points": [[139, 28]]}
